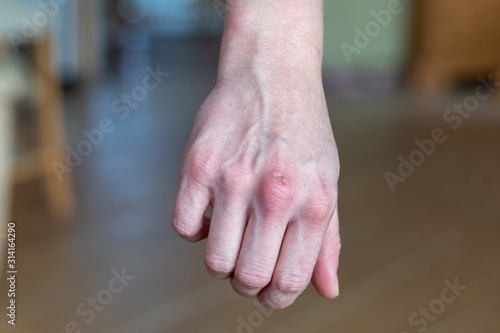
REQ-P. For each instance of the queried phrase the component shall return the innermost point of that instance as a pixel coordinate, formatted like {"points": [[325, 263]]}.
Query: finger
{"points": [[298, 256], [203, 233], [293, 270], [225, 235], [263, 237], [188, 215], [258, 255], [325, 278]]}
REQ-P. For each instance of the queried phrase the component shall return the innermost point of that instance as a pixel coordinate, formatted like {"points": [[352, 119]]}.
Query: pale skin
{"points": [[262, 153]]}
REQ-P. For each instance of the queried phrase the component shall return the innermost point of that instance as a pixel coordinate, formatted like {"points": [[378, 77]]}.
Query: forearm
{"points": [[283, 38]]}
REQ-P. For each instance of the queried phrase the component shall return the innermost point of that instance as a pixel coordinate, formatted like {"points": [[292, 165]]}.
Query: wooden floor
{"points": [[400, 251]]}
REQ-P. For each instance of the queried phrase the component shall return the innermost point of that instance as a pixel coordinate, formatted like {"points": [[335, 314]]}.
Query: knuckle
{"points": [[291, 284], [183, 227], [320, 207], [218, 266], [252, 279], [277, 193], [198, 165], [294, 280]]}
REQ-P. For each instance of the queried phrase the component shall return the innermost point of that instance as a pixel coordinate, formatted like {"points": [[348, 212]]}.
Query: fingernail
{"points": [[337, 290]]}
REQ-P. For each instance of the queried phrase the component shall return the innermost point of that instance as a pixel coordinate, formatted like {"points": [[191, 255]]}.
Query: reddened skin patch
{"points": [[279, 177]]}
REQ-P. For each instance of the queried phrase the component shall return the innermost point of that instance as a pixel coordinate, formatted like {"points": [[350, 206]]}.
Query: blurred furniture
{"points": [[52, 137], [49, 123], [454, 40], [90, 38]]}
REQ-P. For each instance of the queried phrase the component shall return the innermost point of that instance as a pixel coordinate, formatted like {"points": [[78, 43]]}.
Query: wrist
{"points": [[281, 38]]}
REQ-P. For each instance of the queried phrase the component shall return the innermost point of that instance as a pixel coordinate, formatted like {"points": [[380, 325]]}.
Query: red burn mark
{"points": [[279, 177]]}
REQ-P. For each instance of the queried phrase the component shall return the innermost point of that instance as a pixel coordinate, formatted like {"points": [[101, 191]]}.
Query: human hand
{"points": [[262, 153]]}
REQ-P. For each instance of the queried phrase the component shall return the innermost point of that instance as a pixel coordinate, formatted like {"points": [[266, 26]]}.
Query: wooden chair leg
{"points": [[6, 170], [60, 194]]}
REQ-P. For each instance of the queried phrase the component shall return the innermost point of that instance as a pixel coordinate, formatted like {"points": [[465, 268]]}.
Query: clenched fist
{"points": [[262, 153]]}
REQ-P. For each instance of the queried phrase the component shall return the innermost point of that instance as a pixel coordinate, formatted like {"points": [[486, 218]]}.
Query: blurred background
{"points": [[97, 99]]}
